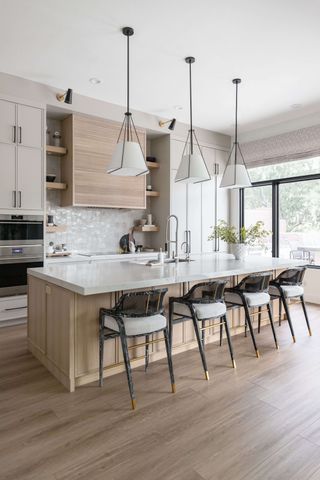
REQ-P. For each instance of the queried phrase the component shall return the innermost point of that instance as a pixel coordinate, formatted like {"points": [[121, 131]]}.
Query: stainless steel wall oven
{"points": [[21, 247]]}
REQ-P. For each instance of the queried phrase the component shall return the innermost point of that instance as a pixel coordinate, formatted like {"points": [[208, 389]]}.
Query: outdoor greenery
{"points": [[249, 236], [299, 201]]}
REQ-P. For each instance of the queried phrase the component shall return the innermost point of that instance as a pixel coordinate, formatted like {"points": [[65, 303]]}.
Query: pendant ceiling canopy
{"points": [[236, 173], [192, 168], [128, 158]]}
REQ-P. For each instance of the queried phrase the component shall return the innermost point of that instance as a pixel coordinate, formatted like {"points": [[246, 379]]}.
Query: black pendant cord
{"points": [[236, 120], [191, 126], [128, 88]]}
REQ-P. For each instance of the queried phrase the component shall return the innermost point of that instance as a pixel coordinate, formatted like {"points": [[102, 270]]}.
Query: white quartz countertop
{"points": [[103, 277], [77, 257]]}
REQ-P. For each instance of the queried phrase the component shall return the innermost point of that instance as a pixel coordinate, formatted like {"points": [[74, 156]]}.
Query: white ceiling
{"points": [[273, 45]]}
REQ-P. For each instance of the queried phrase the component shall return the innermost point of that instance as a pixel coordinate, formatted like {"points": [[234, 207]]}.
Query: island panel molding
{"points": [[90, 143]]}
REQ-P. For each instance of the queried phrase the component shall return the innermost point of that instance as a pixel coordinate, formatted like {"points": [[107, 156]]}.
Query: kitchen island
{"points": [[64, 302]]}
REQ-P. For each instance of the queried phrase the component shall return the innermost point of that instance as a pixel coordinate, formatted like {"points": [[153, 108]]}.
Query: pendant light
{"points": [[192, 168], [128, 158], [235, 174]]}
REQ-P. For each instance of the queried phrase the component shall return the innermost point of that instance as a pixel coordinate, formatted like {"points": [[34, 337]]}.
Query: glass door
{"points": [[258, 206]]}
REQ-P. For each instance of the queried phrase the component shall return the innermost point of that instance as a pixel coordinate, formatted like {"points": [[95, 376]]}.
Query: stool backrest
{"points": [[141, 304], [207, 292], [291, 276], [255, 282]]}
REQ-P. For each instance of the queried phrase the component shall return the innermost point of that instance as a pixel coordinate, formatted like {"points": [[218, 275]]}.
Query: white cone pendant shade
{"points": [[128, 158], [235, 174], [192, 168]]}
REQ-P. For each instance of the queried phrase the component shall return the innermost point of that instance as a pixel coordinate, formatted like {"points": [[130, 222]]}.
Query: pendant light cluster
{"points": [[128, 158], [235, 174]]}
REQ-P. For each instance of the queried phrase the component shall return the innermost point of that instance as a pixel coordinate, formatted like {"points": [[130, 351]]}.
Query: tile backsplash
{"points": [[91, 229]]}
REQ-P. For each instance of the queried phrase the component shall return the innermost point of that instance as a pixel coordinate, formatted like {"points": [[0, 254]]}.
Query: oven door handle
{"points": [[22, 246]]}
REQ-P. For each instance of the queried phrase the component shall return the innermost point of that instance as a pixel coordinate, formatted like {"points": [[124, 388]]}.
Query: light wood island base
{"points": [[63, 332]]}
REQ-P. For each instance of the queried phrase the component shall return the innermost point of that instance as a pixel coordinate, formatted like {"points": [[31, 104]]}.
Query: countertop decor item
{"points": [[128, 158], [239, 239], [50, 177], [192, 168], [235, 174]]}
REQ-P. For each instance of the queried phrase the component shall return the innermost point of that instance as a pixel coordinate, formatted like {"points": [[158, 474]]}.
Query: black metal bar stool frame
{"points": [[253, 283], [290, 278], [133, 305], [211, 293]]}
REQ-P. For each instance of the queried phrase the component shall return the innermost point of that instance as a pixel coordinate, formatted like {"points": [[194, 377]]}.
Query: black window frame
{"points": [[275, 205]]}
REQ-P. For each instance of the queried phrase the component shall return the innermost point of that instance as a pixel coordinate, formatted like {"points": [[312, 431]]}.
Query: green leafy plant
{"points": [[249, 236]]}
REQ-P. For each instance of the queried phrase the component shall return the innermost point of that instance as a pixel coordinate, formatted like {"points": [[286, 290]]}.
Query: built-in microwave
{"points": [[21, 247]]}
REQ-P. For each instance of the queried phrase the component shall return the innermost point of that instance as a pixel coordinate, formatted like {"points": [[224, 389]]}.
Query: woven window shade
{"points": [[286, 147]]}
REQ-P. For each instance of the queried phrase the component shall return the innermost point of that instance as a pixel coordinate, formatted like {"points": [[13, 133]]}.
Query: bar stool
{"points": [[137, 314], [287, 286], [252, 292], [203, 302]]}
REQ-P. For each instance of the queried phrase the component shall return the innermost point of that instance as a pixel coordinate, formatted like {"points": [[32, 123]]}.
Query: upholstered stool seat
{"points": [[137, 325], [204, 311], [252, 299], [290, 291]]}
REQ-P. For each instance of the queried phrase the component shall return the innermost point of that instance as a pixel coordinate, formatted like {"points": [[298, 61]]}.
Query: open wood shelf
{"points": [[59, 151], [56, 186], [153, 165], [146, 228], [56, 228], [152, 193]]}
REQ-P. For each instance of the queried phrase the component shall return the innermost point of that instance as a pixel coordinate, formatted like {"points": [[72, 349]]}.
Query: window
{"points": [[286, 197]]}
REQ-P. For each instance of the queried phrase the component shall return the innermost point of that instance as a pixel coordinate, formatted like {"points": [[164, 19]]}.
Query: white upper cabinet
{"points": [[29, 128], [8, 191], [8, 128], [21, 158], [29, 179]]}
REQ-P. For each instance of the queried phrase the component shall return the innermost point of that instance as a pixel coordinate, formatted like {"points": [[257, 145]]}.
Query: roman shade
{"points": [[302, 143]]}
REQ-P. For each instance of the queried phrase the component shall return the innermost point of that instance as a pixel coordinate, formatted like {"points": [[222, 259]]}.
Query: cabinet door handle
{"points": [[14, 134], [20, 134], [19, 198], [13, 308], [14, 198]]}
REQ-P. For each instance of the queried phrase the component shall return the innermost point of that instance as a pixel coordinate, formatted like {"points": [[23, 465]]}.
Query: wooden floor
{"points": [[261, 421]]}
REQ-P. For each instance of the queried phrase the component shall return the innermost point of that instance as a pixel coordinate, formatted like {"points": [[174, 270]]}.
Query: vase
{"points": [[239, 250]]}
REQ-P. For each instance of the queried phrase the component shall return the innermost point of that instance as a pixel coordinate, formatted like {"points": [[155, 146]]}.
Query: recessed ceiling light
{"points": [[95, 81], [178, 107], [295, 106]]}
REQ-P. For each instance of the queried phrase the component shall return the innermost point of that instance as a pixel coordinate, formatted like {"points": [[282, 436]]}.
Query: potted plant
{"points": [[239, 239]]}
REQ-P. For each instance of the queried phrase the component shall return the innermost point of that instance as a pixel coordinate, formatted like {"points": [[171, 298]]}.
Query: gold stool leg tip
{"points": [[133, 404], [234, 364], [207, 375], [173, 387], [277, 347], [293, 339], [310, 333], [257, 353]]}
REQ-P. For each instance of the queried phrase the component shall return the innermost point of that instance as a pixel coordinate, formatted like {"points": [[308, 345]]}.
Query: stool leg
{"points": [[146, 354], [286, 309], [201, 350], [248, 321], [259, 319], [170, 326], [203, 334], [280, 311], [128, 368], [221, 332], [226, 326], [306, 314], [101, 352], [272, 325], [169, 357]]}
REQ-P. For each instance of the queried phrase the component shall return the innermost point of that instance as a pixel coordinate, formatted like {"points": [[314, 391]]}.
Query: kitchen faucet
{"points": [[168, 241], [187, 244]]}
